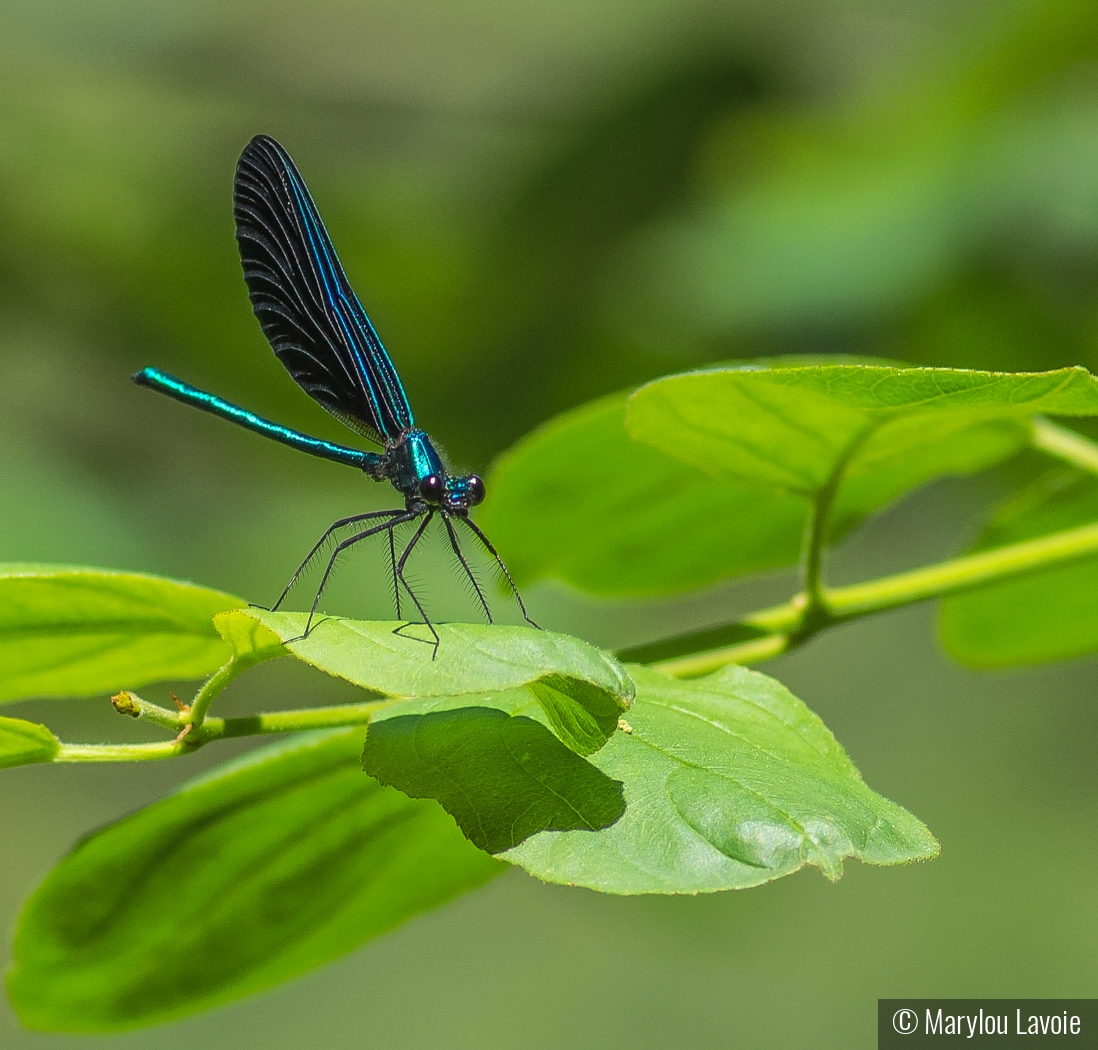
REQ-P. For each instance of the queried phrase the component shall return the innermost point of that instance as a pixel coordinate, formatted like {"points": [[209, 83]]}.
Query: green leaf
{"points": [[582, 689], [580, 501], [261, 870], [496, 769], [582, 715], [22, 743], [885, 428], [1048, 615], [71, 631], [711, 474], [729, 781]]}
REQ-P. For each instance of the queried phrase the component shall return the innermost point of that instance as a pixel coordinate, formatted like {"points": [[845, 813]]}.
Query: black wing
{"points": [[303, 300]]}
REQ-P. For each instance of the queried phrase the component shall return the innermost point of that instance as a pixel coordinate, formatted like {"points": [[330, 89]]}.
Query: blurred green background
{"points": [[539, 204]]}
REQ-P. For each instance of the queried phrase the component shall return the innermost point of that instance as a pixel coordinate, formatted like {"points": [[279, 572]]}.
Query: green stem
{"points": [[293, 721], [785, 624], [335, 717], [964, 573], [122, 752], [1065, 444]]}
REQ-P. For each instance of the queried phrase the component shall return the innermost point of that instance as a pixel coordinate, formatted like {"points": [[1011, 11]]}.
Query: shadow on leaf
{"points": [[503, 778]]}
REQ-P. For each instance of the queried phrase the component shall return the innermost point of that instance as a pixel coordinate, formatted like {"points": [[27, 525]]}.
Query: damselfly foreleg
{"points": [[503, 568]]}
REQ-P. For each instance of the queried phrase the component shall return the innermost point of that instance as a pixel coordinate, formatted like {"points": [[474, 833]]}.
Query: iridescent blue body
{"points": [[190, 395], [408, 462], [320, 332]]}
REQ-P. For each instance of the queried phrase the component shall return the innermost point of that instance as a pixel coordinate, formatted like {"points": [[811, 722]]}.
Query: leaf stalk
{"points": [[816, 530]]}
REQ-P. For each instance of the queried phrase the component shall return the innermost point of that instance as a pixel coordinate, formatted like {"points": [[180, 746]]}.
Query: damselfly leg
{"points": [[411, 594], [400, 519], [503, 568], [455, 546], [334, 527]]}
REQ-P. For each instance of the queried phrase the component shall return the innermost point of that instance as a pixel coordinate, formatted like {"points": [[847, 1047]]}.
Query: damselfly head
{"points": [[461, 493]]}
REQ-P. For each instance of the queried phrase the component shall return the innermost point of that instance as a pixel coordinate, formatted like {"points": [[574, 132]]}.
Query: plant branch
{"points": [[1065, 444], [336, 717], [782, 627], [123, 752]]}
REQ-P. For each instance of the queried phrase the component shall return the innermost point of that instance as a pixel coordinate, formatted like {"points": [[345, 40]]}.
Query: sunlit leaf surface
{"points": [[582, 689], [70, 631], [580, 501], [727, 781], [883, 429], [708, 475]]}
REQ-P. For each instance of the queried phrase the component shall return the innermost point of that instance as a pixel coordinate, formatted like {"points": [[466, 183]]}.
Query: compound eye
{"points": [[474, 488], [430, 488]]}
